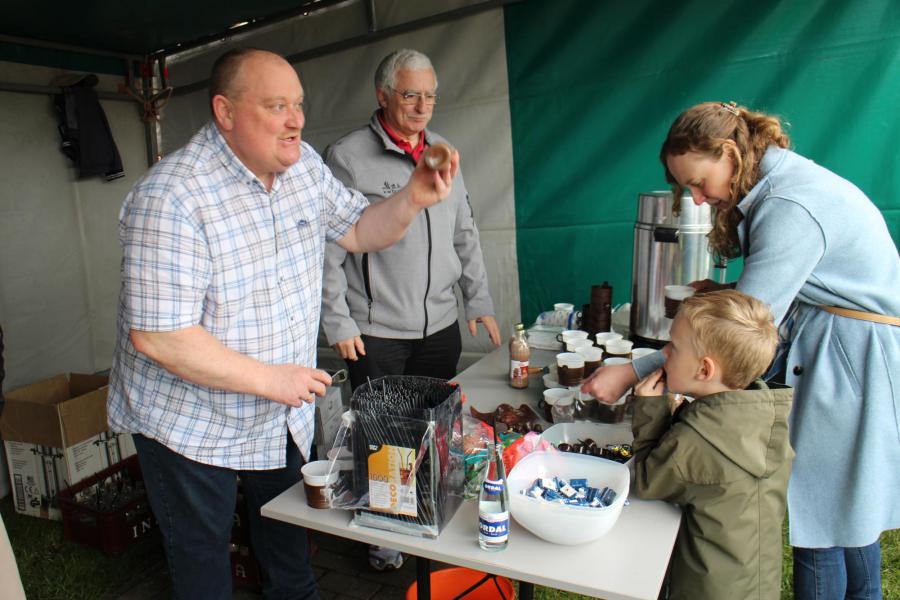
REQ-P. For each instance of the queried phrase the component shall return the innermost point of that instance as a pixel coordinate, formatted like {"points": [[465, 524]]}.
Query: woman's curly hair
{"points": [[704, 129]]}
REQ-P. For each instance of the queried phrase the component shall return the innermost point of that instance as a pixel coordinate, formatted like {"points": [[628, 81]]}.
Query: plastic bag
{"points": [[522, 447], [477, 438]]}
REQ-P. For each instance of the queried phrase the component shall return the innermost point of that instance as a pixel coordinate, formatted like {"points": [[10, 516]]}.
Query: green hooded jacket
{"points": [[725, 459]]}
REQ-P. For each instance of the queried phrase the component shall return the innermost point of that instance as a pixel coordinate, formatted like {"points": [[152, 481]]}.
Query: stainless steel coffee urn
{"points": [[668, 250]]}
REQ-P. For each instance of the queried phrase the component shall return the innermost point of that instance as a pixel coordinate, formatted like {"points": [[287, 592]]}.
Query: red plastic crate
{"points": [[245, 571], [112, 532]]}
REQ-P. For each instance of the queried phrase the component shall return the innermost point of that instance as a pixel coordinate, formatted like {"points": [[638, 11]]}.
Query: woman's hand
{"points": [[608, 384]]}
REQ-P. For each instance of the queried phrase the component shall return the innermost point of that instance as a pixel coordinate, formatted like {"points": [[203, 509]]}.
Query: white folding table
{"points": [[628, 563]]}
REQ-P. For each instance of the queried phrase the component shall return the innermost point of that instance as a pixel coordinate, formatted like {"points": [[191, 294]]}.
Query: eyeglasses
{"points": [[414, 97]]}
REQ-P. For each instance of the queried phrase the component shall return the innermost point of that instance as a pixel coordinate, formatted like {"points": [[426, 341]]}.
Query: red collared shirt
{"points": [[402, 142]]}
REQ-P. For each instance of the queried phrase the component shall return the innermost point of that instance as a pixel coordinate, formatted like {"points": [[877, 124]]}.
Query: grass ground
{"points": [[53, 568]]}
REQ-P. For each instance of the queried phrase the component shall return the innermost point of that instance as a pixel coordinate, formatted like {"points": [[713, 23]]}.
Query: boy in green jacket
{"points": [[725, 457]]}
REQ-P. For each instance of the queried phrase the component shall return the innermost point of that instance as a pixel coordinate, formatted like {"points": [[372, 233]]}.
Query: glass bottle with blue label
{"points": [[493, 505]]}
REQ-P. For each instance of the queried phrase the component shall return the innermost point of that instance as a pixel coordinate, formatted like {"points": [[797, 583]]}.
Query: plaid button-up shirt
{"points": [[205, 243]]}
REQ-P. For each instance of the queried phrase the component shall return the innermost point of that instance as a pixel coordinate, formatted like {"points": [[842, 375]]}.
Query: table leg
{"points": [[423, 578], [526, 590]]}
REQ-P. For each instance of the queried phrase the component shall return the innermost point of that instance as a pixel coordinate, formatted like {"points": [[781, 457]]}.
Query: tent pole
{"points": [[150, 125]]}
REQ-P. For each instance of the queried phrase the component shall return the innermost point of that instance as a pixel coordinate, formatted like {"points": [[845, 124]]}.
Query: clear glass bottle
{"points": [[493, 505], [519, 353]]}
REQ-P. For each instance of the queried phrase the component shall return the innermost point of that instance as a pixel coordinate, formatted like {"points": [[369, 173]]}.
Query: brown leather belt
{"points": [[862, 316]]}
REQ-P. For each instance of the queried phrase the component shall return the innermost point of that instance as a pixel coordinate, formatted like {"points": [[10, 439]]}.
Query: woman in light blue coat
{"points": [[819, 253]]}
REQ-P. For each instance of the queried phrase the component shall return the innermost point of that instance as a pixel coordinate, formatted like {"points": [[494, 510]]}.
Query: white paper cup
{"points": [[592, 356], [619, 347], [617, 360], [606, 336], [639, 352], [318, 481], [576, 345], [569, 368], [570, 335], [590, 353], [551, 397], [674, 295]]}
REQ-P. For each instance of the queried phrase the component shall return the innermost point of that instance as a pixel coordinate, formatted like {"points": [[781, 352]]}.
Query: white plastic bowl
{"points": [[559, 523]]}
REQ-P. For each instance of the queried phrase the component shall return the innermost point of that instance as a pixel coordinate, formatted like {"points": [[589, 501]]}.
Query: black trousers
{"points": [[434, 356]]}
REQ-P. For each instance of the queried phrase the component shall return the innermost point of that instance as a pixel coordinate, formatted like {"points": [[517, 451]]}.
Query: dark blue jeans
{"points": [[194, 504], [838, 573]]}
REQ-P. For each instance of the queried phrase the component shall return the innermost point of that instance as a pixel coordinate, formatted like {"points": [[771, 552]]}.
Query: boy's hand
{"points": [[653, 384]]}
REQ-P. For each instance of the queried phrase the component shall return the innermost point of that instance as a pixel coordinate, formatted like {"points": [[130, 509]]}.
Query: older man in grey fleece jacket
{"points": [[395, 311]]}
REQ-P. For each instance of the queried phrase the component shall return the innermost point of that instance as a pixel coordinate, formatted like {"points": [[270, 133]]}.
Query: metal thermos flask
{"points": [[668, 249]]}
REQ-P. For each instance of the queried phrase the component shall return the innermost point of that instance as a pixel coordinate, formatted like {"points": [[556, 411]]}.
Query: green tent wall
{"points": [[595, 84]]}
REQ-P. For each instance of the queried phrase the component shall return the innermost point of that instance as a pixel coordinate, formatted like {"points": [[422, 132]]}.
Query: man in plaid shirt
{"points": [[214, 370]]}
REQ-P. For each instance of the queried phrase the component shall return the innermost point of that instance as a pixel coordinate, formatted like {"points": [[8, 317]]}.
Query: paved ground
{"points": [[341, 568]]}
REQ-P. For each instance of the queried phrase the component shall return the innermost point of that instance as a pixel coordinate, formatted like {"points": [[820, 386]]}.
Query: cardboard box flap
{"points": [[80, 384], [83, 417], [32, 422], [49, 391], [45, 413]]}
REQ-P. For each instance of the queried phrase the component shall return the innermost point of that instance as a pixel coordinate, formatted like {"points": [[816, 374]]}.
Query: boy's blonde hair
{"points": [[735, 329]]}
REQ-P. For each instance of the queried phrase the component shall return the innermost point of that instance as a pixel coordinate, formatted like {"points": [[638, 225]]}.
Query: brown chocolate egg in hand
{"points": [[438, 156]]}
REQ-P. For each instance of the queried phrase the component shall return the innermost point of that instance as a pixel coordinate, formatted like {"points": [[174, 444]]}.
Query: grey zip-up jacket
{"points": [[405, 291]]}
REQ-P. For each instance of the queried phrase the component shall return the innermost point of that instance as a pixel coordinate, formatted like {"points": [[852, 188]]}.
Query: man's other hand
{"points": [[490, 324], [351, 348]]}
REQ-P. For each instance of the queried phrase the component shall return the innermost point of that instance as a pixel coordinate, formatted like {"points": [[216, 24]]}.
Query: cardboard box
{"points": [[55, 434]]}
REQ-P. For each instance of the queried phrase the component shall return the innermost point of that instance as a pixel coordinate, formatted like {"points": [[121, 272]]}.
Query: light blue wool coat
{"points": [[811, 237]]}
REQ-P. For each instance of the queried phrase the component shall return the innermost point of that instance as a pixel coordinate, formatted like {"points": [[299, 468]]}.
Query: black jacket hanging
{"points": [[86, 137]]}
